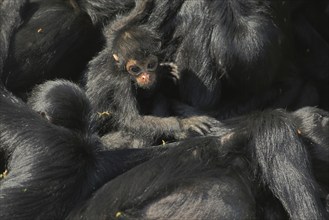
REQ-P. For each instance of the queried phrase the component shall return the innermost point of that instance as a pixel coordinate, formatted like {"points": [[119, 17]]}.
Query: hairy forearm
{"points": [[151, 126]]}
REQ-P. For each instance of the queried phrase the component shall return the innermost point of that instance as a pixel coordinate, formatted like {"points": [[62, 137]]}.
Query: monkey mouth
{"points": [[150, 86]]}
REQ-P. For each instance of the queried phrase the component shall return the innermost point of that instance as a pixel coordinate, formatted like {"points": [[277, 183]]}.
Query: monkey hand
{"points": [[197, 125], [173, 69]]}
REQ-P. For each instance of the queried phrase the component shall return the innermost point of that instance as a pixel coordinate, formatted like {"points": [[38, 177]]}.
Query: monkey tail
{"points": [[10, 19], [142, 8]]}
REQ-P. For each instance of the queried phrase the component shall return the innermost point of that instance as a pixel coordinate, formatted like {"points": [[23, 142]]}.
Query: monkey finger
{"points": [[215, 122], [173, 68], [210, 122], [196, 130], [204, 127]]}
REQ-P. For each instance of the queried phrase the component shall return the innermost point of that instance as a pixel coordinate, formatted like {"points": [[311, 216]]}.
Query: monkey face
{"points": [[143, 71]]}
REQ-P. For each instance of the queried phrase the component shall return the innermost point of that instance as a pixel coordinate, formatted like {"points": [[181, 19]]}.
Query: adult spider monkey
{"points": [[126, 84]]}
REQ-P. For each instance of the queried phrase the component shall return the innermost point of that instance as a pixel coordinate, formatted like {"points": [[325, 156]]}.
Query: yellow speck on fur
{"points": [[4, 174], [103, 114], [118, 214]]}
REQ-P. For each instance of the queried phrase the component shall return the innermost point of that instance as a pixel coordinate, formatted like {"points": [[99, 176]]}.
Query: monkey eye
{"points": [[152, 65], [134, 70]]}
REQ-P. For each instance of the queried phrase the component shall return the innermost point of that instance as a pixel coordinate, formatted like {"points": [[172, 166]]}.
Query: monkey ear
{"points": [[116, 57]]}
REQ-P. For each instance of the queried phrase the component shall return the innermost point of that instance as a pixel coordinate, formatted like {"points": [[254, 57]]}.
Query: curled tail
{"points": [[140, 11]]}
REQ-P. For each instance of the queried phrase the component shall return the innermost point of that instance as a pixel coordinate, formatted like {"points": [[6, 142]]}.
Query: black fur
{"points": [[191, 181], [10, 20], [232, 175], [244, 63], [264, 165], [54, 41], [62, 103], [233, 56], [111, 89], [280, 147], [103, 11], [50, 168], [313, 124]]}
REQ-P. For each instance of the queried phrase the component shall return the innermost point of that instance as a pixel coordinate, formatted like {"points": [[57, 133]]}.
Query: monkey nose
{"points": [[145, 76]]}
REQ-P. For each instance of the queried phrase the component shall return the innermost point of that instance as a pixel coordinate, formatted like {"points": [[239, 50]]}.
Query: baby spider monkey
{"points": [[129, 88]]}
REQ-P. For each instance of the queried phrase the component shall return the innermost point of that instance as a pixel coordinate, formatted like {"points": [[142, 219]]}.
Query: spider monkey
{"points": [[129, 88]]}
